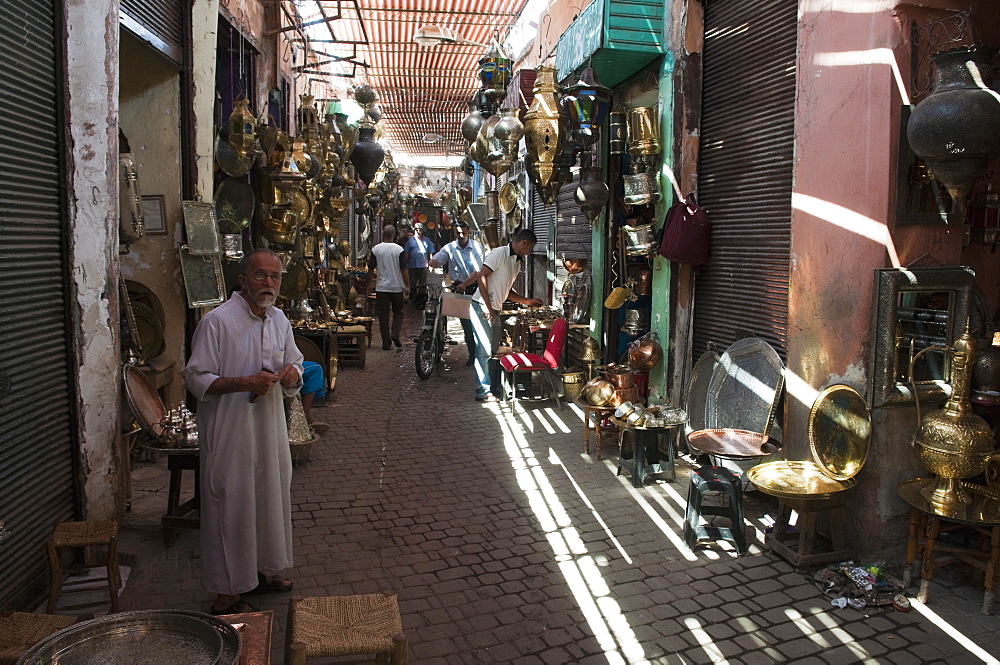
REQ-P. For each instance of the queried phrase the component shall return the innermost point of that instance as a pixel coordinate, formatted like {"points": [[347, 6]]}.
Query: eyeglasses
{"points": [[261, 276]]}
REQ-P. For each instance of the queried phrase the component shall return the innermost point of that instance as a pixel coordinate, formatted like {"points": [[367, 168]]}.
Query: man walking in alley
{"points": [[496, 279], [463, 258], [387, 271], [418, 253], [243, 357]]}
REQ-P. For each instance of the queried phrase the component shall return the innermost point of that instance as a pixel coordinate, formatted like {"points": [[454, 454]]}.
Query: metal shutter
{"points": [[36, 384], [160, 23], [543, 220], [573, 232], [745, 171]]}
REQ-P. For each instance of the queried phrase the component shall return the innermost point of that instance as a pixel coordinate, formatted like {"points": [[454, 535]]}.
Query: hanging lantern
{"points": [[242, 126], [508, 132], [592, 193], [286, 181], [348, 134], [954, 129], [587, 103], [495, 70], [307, 117], [368, 154], [472, 123], [541, 126]]}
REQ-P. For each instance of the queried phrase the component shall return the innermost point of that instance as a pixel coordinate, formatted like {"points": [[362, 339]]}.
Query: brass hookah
{"points": [[952, 442]]}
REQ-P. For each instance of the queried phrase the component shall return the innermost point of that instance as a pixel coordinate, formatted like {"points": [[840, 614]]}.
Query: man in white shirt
{"points": [[387, 274], [462, 257], [243, 360], [496, 280]]}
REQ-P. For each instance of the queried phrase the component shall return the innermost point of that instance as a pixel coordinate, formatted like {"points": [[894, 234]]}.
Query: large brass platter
{"points": [[984, 509], [796, 479], [840, 431], [507, 197], [230, 162], [301, 205], [145, 402], [295, 282], [234, 200]]}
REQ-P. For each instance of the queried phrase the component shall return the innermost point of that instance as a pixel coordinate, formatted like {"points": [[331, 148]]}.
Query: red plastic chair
{"points": [[547, 363]]}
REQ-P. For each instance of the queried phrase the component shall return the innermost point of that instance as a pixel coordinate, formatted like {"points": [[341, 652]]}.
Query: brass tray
{"points": [[507, 197], [151, 637], [731, 443], [295, 282], [144, 401], [795, 480], [840, 431], [227, 159], [984, 509], [234, 200]]}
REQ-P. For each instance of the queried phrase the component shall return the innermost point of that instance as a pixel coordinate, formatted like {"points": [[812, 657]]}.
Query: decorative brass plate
{"points": [[144, 401], [984, 509], [796, 479], [508, 197], [301, 205], [295, 283], [231, 163], [234, 200], [840, 430]]}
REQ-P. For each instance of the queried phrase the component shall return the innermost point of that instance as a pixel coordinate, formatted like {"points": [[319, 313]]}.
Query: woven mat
{"points": [[79, 534], [346, 625]]}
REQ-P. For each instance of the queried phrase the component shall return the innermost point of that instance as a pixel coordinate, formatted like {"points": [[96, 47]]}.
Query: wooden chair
{"points": [[92, 533], [332, 626], [19, 631]]}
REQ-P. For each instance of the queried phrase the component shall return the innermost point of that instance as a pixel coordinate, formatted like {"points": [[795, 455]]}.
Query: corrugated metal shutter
{"points": [[543, 220], [745, 171], [36, 388], [573, 232], [160, 23]]}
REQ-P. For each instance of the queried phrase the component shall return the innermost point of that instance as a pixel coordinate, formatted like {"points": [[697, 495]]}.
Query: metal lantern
{"points": [[307, 117], [588, 103], [541, 127], [242, 128], [368, 154], [508, 131], [472, 123], [495, 70], [592, 193]]}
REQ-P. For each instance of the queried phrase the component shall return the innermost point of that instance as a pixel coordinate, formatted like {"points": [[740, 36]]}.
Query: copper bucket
{"points": [[620, 376]]}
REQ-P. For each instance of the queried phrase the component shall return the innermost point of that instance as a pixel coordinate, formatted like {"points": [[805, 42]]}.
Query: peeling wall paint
{"points": [[204, 28], [92, 177]]}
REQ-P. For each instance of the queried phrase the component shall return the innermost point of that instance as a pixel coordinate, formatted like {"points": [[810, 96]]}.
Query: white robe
{"points": [[246, 466]]}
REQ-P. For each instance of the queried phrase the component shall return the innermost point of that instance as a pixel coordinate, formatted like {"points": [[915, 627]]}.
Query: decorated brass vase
{"points": [[954, 443], [541, 126], [643, 131]]}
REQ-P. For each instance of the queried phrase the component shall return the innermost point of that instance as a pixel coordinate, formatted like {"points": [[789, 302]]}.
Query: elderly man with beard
{"points": [[243, 357]]}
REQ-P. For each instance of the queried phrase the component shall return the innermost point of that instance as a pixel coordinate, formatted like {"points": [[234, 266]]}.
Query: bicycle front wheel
{"points": [[426, 355]]}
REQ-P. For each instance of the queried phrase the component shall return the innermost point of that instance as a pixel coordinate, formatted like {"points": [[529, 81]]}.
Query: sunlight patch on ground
{"points": [[941, 623]]}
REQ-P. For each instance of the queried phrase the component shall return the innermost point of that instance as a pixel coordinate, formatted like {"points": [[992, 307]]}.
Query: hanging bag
{"points": [[686, 233]]}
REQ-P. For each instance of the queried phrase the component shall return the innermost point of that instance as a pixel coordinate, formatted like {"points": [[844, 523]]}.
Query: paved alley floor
{"points": [[507, 544]]}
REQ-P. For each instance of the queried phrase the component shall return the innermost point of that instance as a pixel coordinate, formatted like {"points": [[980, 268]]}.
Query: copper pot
{"points": [[620, 376], [574, 265], [644, 353]]}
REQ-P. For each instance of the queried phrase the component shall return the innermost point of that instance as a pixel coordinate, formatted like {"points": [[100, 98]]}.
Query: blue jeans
{"points": [[486, 332]]}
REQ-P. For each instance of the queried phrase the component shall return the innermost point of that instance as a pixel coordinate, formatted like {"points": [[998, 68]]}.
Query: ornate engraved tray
{"points": [[697, 391], [745, 387], [984, 509], [795, 480], [840, 431], [150, 637]]}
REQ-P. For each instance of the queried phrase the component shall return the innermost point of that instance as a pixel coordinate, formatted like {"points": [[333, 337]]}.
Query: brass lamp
{"points": [[541, 126], [242, 128], [954, 443], [590, 355], [588, 103], [495, 70]]}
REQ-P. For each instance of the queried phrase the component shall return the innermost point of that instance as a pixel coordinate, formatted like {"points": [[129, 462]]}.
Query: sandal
{"points": [[239, 607], [271, 584]]}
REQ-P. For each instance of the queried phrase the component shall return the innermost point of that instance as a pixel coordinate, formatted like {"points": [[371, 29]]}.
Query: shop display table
{"points": [[255, 636], [180, 515], [645, 460], [600, 414], [928, 524]]}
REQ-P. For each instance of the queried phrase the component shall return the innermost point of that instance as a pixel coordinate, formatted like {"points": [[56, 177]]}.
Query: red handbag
{"points": [[686, 232]]}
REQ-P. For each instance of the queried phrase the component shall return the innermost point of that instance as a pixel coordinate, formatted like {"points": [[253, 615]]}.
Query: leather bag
{"points": [[686, 232]]}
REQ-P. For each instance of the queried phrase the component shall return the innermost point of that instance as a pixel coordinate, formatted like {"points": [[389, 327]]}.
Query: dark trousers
{"points": [[385, 301], [418, 284], [470, 336]]}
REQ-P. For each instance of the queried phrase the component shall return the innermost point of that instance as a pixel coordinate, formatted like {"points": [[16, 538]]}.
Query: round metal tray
{"points": [[150, 637], [796, 480], [732, 443]]}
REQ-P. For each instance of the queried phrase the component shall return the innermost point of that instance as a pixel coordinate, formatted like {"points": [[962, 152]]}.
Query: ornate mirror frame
{"points": [[890, 283]]}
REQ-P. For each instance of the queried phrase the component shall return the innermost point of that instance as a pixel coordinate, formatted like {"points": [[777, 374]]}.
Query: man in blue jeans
{"points": [[496, 280], [462, 257]]}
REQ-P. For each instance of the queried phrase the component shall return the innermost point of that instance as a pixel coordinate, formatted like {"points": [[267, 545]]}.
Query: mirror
{"points": [[202, 279], [916, 308]]}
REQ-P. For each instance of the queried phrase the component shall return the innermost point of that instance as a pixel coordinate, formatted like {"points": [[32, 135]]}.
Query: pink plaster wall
{"points": [[847, 115]]}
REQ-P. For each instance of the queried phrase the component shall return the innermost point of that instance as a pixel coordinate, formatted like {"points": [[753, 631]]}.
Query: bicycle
{"points": [[433, 336]]}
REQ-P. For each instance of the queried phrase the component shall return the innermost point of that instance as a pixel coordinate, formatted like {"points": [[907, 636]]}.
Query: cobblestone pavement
{"points": [[507, 544]]}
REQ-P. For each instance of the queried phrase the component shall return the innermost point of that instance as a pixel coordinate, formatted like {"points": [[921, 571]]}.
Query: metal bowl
{"points": [[597, 392]]}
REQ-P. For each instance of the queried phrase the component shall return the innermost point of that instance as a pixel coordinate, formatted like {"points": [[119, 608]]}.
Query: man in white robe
{"points": [[240, 351]]}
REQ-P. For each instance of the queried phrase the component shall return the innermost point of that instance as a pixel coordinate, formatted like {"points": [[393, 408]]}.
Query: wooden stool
{"points": [[83, 534], [329, 626], [797, 548], [351, 346], [19, 631], [599, 413]]}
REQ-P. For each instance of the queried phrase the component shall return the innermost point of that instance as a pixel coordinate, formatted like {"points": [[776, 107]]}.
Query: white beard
{"points": [[265, 300]]}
